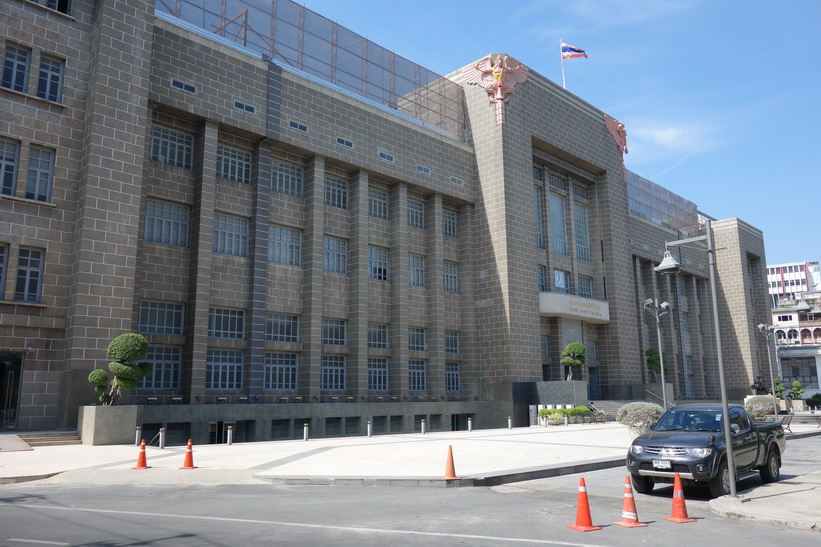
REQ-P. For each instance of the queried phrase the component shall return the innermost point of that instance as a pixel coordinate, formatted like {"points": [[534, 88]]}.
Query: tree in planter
{"points": [[126, 350], [654, 362], [796, 391], [573, 357], [780, 388]]}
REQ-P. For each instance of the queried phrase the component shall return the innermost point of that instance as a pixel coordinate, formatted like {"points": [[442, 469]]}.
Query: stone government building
{"points": [[309, 228]]}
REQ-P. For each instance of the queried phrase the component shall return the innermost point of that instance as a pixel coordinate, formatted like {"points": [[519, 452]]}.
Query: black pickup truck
{"points": [[690, 440]]}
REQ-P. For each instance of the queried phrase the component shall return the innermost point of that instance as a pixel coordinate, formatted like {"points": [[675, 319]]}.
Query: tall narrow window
{"points": [[287, 179], [377, 263], [449, 223], [234, 164], [416, 214], [543, 279], [377, 374], [416, 270], [284, 245], [450, 275], [585, 286], [16, 68], [4, 265], [280, 371], [230, 235], [451, 341], [223, 369], [9, 153], [545, 346], [50, 79], [172, 147], [581, 231], [453, 377], [166, 223], [377, 203], [336, 193], [40, 174], [332, 371], [558, 221], [29, 275], [335, 255], [538, 199]]}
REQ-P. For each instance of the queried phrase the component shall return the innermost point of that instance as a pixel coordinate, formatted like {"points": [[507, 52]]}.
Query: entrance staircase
{"points": [[50, 438], [610, 407]]}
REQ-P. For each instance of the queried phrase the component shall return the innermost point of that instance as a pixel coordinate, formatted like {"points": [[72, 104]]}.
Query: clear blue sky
{"points": [[721, 99]]}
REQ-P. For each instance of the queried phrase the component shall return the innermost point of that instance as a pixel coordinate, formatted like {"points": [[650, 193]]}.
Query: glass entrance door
{"points": [[11, 368]]}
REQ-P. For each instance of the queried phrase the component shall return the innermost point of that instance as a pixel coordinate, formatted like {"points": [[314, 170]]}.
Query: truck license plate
{"points": [[661, 464]]}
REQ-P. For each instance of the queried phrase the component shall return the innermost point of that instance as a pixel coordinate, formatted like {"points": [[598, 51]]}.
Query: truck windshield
{"points": [[690, 420]]}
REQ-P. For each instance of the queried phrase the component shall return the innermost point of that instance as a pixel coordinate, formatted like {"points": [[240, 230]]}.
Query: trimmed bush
{"points": [[128, 347], [639, 415], [759, 406], [126, 350]]}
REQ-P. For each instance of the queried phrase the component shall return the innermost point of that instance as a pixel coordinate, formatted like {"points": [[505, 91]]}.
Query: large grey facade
{"points": [[298, 253]]}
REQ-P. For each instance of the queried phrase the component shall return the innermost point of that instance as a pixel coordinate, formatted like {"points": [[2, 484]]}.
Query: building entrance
{"points": [[11, 372]]}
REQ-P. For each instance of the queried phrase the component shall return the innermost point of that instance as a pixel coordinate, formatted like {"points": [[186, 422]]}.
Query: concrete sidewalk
{"points": [[480, 458]]}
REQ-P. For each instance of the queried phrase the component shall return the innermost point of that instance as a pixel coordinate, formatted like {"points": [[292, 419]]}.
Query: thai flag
{"points": [[571, 52]]}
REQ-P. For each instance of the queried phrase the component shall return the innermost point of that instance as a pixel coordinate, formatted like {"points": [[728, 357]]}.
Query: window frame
{"points": [[165, 216], [50, 78], [334, 332], [336, 192], [226, 323], [416, 214], [335, 255], [449, 223], [417, 375], [417, 339], [40, 174], [280, 371], [378, 336], [178, 147], [166, 368], [284, 245], [416, 270], [378, 369], [280, 327], [378, 258], [9, 166], [224, 369], [171, 313], [16, 67], [453, 376], [450, 276], [333, 372], [287, 179], [377, 203], [28, 286], [233, 164]]}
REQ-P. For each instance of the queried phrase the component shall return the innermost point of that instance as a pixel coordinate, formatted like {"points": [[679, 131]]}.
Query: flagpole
{"points": [[564, 84]]}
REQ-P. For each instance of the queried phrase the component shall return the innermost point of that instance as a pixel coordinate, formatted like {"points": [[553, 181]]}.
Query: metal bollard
{"points": [[370, 429], [305, 431], [565, 421], [138, 435], [470, 424], [423, 427], [230, 435], [162, 437], [509, 422]]}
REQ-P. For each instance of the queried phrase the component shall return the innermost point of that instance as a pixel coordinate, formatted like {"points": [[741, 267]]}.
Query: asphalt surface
{"points": [[439, 459]]}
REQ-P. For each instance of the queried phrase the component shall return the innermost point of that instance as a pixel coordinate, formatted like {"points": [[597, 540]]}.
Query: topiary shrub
{"points": [[573, 357], [759, 406], [639, 416], [126, 349], [796, 391], [815, 400]]}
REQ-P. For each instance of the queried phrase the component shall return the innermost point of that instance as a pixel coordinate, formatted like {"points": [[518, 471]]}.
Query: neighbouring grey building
{"points": [[309, 228]]}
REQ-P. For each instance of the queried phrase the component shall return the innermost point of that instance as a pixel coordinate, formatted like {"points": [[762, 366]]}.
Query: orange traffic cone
{"points": [[583, 521], [629, 516], [189, 457], [450, 471], [679, 507], [141, 463]]}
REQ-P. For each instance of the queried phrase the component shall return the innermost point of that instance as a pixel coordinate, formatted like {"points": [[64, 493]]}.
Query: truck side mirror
{"points": [[735, 428]]}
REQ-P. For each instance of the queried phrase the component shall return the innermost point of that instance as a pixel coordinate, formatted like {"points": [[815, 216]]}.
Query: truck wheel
{"points": [[720, 484], [642, 485], [772, 469]]}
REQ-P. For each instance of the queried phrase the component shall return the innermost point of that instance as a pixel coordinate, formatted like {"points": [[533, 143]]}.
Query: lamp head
{"points": [[669, 265], [648, 302], [665, 305]]}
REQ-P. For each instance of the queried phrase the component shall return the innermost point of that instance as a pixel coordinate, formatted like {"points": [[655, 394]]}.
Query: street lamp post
{"points": [[652, 306], [670, 265], [767, 330]]}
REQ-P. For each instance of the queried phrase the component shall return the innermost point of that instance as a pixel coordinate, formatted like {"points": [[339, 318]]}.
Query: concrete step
{"points": [[57, 438]]}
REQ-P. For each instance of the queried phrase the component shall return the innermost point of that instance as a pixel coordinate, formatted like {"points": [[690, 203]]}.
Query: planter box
{"points": [[100, 425]]}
